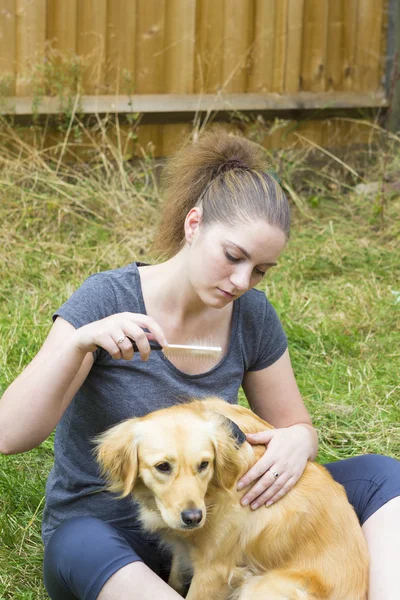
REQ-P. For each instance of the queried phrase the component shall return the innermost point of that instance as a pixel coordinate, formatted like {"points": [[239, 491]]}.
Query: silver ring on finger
{"points": [[121, 339], [275, 474]]}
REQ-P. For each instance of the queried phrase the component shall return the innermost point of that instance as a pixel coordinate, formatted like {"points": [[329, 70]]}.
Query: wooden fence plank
{"points": [[92, 39], [150, 30], [368, 59], [309, 132], [149, 141], [30, 41], [61, 36], [121, 46], [180, 34], [120, 64], [280, 45], [278, 135], [62, 24], [238, 36], [334, 56], [150, 33], [7, 46], [175, 103], [295, 18], [314, 45], [262, 54], [209, 50], [173, 136], [350, 30], [180, 29]]}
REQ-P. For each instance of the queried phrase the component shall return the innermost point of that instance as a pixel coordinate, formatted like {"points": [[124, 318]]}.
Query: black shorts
{"points": [[84, 552]]}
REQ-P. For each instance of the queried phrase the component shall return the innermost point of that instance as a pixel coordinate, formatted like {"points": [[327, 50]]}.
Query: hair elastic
{"points": [[230, 164]]}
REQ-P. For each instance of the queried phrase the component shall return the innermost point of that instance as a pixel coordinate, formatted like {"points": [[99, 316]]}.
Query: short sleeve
{"points": [[272, 340], [92, 301]]}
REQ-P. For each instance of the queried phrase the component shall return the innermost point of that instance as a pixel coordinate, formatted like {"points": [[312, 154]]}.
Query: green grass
{"points": [[333, 289]]}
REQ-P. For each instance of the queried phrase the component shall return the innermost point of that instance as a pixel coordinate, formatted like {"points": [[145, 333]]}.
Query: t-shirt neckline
{"points": [[160, 355]]}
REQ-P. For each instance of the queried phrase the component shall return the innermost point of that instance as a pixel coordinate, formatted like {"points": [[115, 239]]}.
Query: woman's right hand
{"points": [[106, 333]]}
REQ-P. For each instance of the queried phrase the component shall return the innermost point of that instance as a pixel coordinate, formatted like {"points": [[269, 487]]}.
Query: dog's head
{"points": [[169, 460]]}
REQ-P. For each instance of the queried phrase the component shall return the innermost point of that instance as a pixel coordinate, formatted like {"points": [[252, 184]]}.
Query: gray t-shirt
{"points": [[117, 390]]}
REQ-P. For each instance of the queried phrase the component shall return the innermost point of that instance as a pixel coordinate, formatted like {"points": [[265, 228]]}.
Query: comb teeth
{"points": [[189, 351]]}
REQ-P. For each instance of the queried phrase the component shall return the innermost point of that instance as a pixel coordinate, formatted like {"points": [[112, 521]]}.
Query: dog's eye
{"points": [[164, 467], [203, 465]]}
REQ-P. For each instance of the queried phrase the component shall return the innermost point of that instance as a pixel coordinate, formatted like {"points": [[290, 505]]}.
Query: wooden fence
{"points": [[168, 57]]}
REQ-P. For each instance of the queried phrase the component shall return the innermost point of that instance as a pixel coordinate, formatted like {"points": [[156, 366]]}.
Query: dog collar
{"points": [[237, 433]]}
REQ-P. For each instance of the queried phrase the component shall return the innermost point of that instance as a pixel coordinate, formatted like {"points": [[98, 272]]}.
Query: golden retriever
{"points": [[181, 464]]}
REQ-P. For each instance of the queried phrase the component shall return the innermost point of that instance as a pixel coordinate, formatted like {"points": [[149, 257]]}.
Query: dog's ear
{"points": [[117, 454], [229, 461]]}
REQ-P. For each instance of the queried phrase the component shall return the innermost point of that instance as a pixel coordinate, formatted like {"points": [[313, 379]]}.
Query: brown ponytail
{"points": [[226, 174]]}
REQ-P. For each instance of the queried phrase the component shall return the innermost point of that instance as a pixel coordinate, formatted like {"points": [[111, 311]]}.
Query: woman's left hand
{"points": [[280, 467]]}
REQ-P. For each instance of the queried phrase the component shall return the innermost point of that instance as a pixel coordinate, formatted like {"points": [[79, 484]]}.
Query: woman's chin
{"points": [[218, 300]]}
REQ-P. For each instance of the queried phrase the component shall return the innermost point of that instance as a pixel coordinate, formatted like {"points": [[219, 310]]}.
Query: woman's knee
{"points": [[374, 467], [61, 551], [71, 539], [81, 553], [382, 470], [370, 481]]}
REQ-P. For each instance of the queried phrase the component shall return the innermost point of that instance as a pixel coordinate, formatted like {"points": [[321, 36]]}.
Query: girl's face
{"points": [[224, 262]]}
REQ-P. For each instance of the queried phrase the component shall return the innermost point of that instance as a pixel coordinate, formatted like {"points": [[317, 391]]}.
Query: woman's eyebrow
{"points": [[273, 264]]}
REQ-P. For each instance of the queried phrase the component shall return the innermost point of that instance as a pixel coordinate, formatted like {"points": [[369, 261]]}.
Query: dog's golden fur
{"points": [[308, 545]]}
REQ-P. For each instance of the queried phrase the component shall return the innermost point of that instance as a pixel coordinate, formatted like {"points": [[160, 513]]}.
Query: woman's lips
{"points": [[226, 294]]}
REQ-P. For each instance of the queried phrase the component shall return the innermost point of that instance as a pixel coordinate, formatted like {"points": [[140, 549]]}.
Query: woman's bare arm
{"points": [[34, 403], [273, 394]]}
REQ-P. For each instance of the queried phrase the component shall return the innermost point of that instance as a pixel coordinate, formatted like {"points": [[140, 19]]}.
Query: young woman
{"points": [[225, 223]]}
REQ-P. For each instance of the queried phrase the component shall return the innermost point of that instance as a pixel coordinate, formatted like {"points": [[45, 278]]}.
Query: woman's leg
{"points": [[87, 558], [382, 531], [372, 484], [123, 585]]}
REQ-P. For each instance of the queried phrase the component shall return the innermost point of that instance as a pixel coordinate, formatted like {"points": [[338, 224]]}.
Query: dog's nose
{"points": [[191, 517]]}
